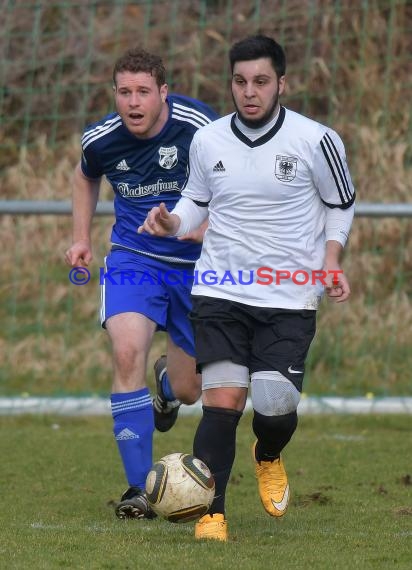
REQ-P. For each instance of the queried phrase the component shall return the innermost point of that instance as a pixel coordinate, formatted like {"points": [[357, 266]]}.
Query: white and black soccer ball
{"points": [[180, 487]]}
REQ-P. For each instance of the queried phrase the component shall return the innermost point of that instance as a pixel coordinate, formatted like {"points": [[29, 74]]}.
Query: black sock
{"points": [[215, 444], [273, 433]]}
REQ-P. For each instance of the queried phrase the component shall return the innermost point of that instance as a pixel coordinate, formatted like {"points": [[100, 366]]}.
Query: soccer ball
{"points": [[180, 488]]}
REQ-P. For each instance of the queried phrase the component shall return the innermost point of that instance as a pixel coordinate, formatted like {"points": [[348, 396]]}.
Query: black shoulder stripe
{"points": [[336, 167], [344, 206], [201, 204]]}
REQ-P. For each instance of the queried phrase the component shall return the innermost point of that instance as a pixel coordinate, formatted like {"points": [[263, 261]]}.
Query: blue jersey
{"points": [[145, 172]]}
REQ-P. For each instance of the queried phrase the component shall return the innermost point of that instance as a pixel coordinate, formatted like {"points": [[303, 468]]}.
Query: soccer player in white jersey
{"points": [[143, 150], [280, 201]]}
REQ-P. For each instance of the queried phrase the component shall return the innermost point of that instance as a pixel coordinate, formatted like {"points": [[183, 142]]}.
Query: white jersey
{"points": [[267, 201]]}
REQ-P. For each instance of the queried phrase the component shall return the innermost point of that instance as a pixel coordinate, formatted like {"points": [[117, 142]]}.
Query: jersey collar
{"points": [[264, 138]]}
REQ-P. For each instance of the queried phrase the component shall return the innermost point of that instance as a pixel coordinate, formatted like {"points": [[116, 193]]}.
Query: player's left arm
{"points": [[334, 182], [330, 171], [337, 285], [337, 227]]}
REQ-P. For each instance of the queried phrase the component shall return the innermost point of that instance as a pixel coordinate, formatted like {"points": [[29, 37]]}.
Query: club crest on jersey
{"points": [[285, 167], [168, 157]]}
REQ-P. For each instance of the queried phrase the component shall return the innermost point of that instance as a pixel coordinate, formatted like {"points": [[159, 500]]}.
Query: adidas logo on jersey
{"points": [[219, 167], [122, 165], [126, 433]]}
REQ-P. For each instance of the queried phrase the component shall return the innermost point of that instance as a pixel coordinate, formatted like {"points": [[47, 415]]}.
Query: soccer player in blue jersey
{"points": [[143, 150]]}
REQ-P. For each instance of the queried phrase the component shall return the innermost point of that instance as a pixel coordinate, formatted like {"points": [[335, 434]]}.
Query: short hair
{"points": [[255, 47], [136, 60]]}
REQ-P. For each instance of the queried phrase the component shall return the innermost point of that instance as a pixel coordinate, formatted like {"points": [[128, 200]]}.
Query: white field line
{"points": [[82, 406]]}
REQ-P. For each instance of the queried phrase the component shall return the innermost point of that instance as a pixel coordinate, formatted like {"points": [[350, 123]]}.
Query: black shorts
{"points": [[259, 338]]}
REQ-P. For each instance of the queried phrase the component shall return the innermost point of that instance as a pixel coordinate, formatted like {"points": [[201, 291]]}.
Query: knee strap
{"points": [[273, 394], [224, 374]]}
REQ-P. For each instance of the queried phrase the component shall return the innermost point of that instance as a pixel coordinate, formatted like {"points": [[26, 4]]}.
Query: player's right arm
{"points": [[84, 200], [185, 217], [160, 222]]}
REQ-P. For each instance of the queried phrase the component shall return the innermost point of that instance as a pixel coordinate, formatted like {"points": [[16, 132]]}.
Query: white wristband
{"points": [[191, 215], [338, 224]]}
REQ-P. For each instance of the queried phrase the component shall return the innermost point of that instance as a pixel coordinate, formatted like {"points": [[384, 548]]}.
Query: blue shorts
{"points": [[136, 283]]}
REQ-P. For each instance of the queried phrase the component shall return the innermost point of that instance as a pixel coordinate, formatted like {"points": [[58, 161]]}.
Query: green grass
{"points": [[351, 499]]}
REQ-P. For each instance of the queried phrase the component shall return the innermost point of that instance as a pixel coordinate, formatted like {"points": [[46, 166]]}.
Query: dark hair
{"points": [[138, 59], [255, 47]]}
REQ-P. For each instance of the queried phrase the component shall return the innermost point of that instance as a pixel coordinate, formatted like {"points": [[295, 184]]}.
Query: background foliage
{"points": [[349, 65]]}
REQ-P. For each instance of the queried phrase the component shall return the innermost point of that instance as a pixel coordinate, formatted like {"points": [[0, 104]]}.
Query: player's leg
{"points": [[176, 378], [275, 401], [280, 347], [220, 340], [176, 382], [215, 441], [181, 368], [133, 425], [215, 438], [133, 305]]}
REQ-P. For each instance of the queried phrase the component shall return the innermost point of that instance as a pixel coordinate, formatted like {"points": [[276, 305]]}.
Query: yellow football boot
{"points": [[273, 485], [212, 527]]}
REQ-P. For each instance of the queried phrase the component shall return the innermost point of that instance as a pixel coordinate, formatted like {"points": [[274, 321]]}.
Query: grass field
{"points": [[351, 499]]}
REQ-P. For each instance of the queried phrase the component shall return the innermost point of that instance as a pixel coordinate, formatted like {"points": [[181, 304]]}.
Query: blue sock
{"points": [[133, 427], [166, 388]]}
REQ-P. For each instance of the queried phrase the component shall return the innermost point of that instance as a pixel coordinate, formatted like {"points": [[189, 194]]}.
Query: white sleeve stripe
{"points": [[177, 106], [100, 128], [102, 134], [181, 113], [192, 120], [336, 167]]}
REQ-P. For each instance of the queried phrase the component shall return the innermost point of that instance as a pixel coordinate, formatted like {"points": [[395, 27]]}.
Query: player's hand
{"points": [[79, 254], [160, 222], [337, 286]]}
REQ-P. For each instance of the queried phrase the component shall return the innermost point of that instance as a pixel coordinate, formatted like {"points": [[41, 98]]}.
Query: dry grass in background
{"points": [[50, 335]]}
